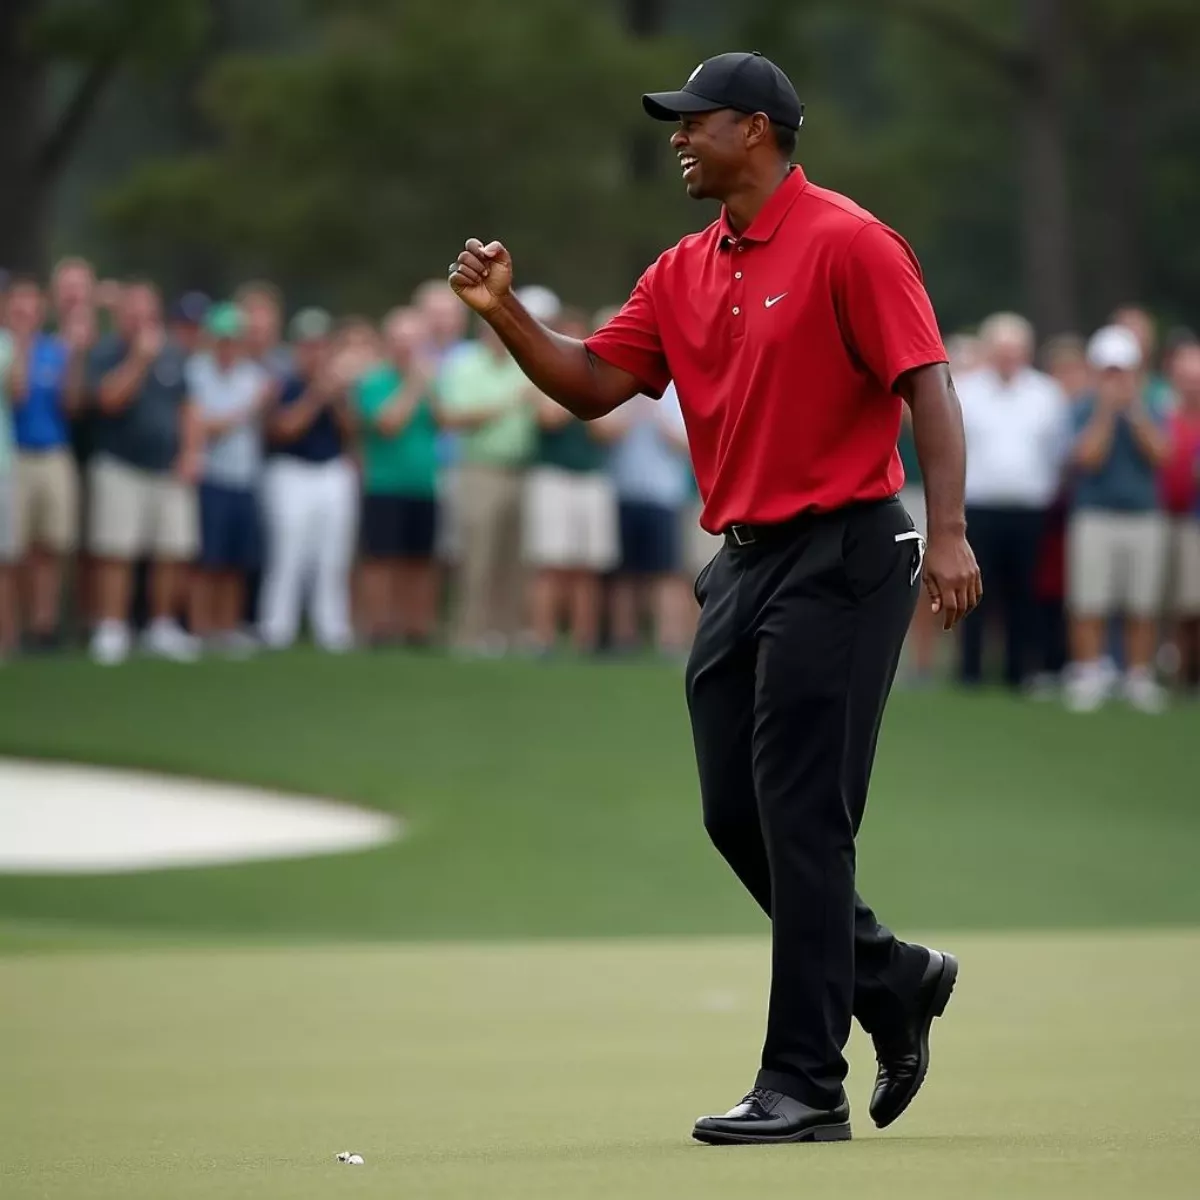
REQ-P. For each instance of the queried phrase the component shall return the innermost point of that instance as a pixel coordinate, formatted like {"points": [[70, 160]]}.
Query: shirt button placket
{"points": [[738, 298]]}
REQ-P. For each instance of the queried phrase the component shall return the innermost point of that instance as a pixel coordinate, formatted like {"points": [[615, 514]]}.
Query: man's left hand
{"points": [[952, 577]]}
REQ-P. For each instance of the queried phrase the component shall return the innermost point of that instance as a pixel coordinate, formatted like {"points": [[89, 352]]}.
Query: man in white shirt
{"points": [[1018, 436]]}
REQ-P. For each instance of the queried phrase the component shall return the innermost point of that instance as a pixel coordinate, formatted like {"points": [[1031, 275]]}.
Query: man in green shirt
{"points": [[484, 397], [400, 469], [570, 528]]}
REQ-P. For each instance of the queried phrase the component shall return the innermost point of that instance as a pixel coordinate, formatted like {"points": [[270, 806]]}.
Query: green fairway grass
{"points": [[559, 799], [1065, 1069]]}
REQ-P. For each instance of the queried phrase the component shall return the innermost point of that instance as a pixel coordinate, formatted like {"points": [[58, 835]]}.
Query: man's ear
{"points": [[758, 130]]}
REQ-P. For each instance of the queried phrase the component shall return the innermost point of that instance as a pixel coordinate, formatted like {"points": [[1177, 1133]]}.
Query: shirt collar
{"points": [[770, 216]]}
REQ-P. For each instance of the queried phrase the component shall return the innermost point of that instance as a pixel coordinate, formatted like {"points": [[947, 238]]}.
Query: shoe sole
{"points": [[818, 1133], [937, 1006]]}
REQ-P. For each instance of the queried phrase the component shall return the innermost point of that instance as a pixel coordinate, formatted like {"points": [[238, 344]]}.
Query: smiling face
{"points": [[714, 148]]}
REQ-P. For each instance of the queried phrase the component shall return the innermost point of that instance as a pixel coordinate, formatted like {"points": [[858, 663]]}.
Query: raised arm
{"points": [[560, 367], [292, 421], [1094, 442], [118, 387]]}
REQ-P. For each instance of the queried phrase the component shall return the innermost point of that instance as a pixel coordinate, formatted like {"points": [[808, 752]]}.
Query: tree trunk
{"points": [[23, 188], [1118, 182], [644, 19], [1046, 240]]}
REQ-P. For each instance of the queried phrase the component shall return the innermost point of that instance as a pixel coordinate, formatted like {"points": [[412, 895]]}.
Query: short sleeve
{"points": [[1081, 414], [884, 310], [455, 372], [192, 372], [631, 339], [104, 356], [372, 391]]}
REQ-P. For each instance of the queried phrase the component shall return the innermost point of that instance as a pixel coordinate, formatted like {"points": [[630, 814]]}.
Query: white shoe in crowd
{"points": [[165, 639], [1088, 686], [1142, 692], [110, 643]]}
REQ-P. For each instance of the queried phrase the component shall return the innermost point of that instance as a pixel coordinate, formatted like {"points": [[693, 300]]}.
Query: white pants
{"points": [[311, 516]]}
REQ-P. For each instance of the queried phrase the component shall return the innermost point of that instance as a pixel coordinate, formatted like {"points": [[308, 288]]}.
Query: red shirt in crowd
{"points": [[1177, 476], [785, 343]]}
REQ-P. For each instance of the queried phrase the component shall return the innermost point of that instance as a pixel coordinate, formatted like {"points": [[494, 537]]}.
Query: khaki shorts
{"points": [[1116, 562], [47, 501], [1185, 568], [699, 546], [136, 513], [570, 520], [8, 518]]}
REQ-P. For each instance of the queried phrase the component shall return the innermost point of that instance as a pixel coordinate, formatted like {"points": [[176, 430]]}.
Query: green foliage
{"points": [[364, 161], [352, 150], [153, 34]]}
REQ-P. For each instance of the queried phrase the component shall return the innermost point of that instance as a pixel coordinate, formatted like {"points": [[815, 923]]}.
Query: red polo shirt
{"points": [[785, 344]]}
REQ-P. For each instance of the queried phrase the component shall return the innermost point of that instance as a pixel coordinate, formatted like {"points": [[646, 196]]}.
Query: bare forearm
{"points": [[292, 422], [561, 367], [191, 431], [18, 380], [75, 388], [118, 388], [1150, 439], [1096, 440], [941, 446]]}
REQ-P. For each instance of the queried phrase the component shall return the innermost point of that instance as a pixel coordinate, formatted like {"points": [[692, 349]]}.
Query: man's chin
{"points": [[695, 189]]}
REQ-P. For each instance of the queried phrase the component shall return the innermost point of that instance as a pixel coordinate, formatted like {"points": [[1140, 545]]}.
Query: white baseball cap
{"points": [[1114, 348], [541, 303]]}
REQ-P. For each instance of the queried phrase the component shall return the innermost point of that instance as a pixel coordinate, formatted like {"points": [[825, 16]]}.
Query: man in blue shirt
{"points": [[1117, 538], [46, 387]]}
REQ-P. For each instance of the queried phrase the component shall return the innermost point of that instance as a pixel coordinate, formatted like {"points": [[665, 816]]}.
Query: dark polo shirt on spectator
{"points": [[145, 434]]}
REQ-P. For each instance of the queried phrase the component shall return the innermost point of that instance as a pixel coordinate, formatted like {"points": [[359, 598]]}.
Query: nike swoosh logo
{"points": [[772, 300]]}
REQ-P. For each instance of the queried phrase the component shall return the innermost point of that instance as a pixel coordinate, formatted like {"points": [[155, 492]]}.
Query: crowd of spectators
{"points": [[213, 479], [1083, 509]]}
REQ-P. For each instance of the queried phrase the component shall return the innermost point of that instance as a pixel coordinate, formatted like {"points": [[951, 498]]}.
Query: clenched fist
{"points": [[481, 276]]}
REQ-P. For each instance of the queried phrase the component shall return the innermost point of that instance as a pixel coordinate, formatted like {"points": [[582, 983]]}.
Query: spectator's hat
{"points": [[225, 322], [191, 308], [1114, 348], [310, 325], [747, 83], [541, 303]]}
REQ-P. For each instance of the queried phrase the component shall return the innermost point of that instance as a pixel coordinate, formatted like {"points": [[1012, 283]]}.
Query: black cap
{"points": [[747, 83]]}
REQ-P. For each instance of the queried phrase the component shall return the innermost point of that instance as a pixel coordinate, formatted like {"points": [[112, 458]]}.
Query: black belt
{"points": [[738, 536]]}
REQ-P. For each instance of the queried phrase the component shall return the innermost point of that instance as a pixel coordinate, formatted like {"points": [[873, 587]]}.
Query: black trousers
{"points": [[796, 650], [1006, 542]]}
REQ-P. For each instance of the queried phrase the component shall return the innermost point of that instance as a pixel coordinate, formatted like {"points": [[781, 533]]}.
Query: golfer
{"points": [[794, 327]]}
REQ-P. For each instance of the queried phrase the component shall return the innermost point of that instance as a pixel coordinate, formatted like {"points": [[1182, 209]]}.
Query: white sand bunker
{"points": [[58, 819]]}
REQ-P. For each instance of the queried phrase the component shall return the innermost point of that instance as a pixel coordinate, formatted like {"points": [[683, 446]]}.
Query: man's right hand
{"points": [[149, 342], [481, 276]]}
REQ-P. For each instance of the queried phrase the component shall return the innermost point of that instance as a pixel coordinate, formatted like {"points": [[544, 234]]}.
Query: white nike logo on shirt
{"points": [[770, 300]]}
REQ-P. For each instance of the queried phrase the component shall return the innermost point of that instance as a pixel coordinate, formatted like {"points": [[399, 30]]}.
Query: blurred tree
{"points": [[1040, 153], [356, 166], [93, 40]]}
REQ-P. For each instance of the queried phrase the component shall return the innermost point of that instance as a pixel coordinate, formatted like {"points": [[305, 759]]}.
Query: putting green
{"points": [[1066, 1068]]}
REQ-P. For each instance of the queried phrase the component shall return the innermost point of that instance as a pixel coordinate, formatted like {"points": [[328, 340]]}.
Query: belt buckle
{"points": [[742, 535]]}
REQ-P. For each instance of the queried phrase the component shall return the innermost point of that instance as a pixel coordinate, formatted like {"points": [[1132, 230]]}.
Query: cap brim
{"points": [[667, 106]]}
